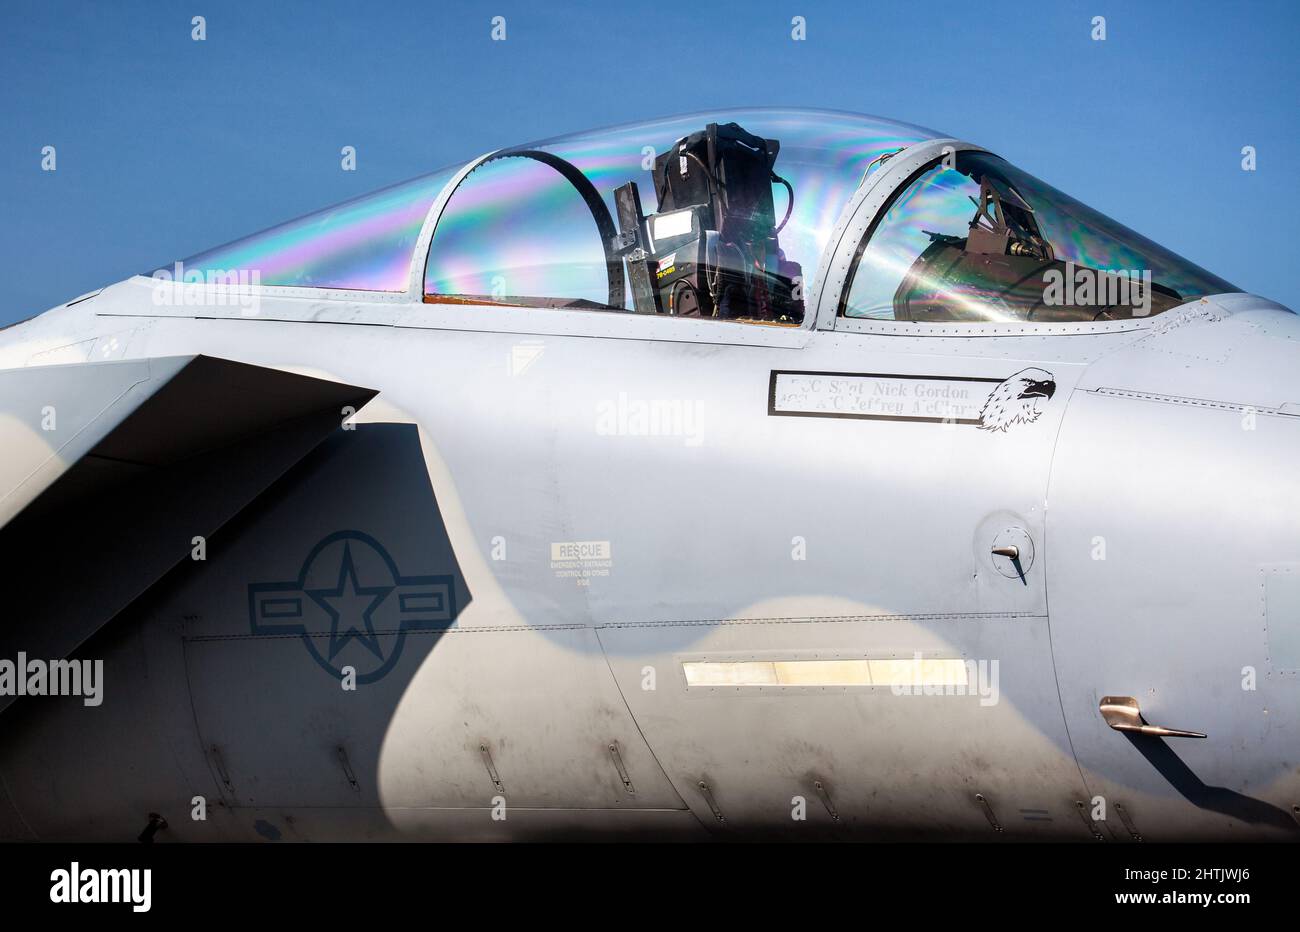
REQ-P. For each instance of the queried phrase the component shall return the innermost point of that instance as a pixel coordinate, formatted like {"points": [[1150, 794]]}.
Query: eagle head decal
{"points": [[1015, 400]]}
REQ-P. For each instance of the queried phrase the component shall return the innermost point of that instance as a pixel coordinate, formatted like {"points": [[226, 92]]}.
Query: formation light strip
{"points": [[904, 672]]}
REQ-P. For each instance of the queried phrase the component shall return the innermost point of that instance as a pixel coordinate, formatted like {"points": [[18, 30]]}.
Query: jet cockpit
{"points": [[730, 216]]}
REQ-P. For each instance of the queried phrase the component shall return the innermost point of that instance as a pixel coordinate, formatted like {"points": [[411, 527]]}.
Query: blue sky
{"points": [[167, 146]]}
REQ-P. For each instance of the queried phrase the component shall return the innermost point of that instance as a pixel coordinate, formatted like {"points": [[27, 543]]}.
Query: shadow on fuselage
{"points": [[1200, 794], [345, 580], [340, 571]]}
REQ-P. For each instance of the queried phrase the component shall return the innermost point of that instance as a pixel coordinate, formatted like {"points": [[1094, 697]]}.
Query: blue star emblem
{"points": [[378, 617], [349, 602]]}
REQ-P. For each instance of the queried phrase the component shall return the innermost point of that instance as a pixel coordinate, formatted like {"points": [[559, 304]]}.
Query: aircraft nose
{"points": [[1173, 560]]}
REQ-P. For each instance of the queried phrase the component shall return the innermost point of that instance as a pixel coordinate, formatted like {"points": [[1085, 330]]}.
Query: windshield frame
{"points": [[869, 208]]}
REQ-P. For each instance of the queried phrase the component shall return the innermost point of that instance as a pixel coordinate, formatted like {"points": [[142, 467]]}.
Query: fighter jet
{"points": [[777, 474]]}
